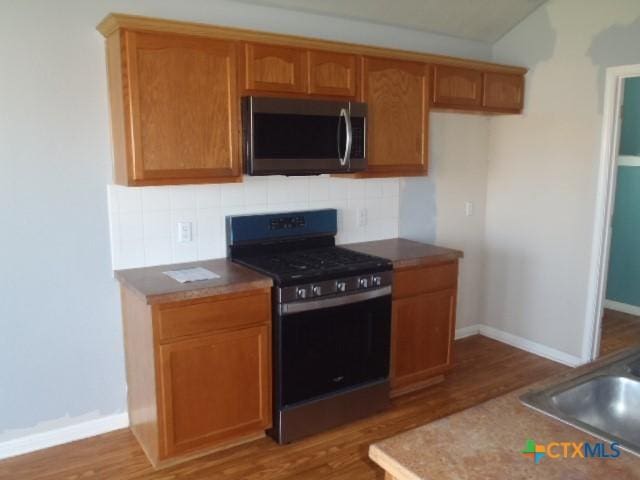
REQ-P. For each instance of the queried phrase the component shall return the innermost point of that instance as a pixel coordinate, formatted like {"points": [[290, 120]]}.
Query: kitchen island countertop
{"points": [[486, 441]]}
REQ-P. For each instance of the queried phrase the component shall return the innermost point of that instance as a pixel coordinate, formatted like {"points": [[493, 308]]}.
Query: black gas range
{"points": [[332, 319]]}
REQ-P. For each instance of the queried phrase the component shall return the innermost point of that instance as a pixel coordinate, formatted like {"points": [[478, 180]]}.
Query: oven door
{"points": [[302, 137], [330, 345]]}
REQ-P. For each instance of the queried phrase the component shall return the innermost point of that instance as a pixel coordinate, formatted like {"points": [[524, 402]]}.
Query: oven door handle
{"points": [[297, 307]]}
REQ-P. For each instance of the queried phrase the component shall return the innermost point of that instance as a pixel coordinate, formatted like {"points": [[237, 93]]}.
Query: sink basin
{"points": [[634, 368], [604, 402], [608, 403]]}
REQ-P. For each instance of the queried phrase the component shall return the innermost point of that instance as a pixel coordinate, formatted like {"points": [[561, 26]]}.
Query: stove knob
{"points": [[341, 286], [317, 290], [301, 293], [364, 282], [376, 281]]}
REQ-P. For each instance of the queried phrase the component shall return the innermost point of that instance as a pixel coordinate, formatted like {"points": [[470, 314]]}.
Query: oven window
{"points": [[331, 349], [288, 136]]}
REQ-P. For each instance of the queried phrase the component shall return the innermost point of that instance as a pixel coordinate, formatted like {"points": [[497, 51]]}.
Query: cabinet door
{"points": [[396, 93], [503, 92], [456, 87], [421, 337], [272, 68], [215, 388], [183, 108], [333, 74]]}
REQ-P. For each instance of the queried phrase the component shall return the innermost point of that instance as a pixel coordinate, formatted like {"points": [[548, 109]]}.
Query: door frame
{"points": [[605, 196]]}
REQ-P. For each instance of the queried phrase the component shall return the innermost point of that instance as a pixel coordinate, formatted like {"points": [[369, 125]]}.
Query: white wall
{"points": [[432, 209], [459, 170], [542, 168], [144, 220], [61, 342]]}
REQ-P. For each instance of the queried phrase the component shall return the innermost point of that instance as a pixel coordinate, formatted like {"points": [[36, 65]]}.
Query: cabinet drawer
{"points": [[414, 281], [219, 313]]}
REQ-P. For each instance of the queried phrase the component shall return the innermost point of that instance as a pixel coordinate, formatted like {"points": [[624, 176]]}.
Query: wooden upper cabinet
{"points": [[174, 108], [175, 92], [456, 87], [396, 92], [272, 68], [333, 74], [503, 92]]}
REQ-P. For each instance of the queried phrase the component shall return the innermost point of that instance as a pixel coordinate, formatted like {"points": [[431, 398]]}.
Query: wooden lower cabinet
{"points": [[198, 392], [215, 388], [423, 326]]}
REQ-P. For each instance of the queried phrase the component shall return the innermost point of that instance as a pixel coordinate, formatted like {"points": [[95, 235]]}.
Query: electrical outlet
{"points": [[468, 208], [185, 232], [362, 218]]}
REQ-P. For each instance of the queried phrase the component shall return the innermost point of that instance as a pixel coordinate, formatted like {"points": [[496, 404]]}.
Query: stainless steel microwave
{"points": [[284, 136]]}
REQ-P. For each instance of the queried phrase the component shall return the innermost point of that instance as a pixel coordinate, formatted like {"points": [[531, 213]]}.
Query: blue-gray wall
{"points": [[624, 265]]}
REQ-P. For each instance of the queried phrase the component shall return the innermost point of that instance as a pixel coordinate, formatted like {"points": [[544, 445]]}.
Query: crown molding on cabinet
{"points": [[115, 21]]}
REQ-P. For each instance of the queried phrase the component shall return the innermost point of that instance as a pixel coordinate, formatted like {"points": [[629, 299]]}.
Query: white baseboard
{"points": [[519, 342], [530, 346], [622, 307], [467, 331], [58, 436]]}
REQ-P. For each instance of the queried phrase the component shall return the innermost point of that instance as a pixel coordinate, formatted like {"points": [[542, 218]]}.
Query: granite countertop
{"points": [[155, 287], [406, 253], [485, 442]]}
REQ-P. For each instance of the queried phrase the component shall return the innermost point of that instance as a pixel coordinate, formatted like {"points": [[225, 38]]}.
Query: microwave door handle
{"points": [[347, 152], [339, 135], [349, 134]]}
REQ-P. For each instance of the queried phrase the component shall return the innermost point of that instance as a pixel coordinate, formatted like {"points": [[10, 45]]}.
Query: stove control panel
{"points": [[280, 223], [334, 287]]}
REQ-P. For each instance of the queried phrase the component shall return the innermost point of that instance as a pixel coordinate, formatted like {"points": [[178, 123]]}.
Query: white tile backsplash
{"points": [[154, 199], [143, 220], [207, 196]]}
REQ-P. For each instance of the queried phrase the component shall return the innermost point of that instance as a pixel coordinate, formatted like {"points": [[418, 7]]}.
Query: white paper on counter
{"points": [[195, 274]]}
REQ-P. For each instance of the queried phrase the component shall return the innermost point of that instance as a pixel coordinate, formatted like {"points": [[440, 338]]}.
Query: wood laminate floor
{"points": [[485, 369], [619, 331]]}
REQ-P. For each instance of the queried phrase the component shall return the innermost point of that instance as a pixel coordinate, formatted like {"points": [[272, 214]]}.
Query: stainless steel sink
{"points": [[604, 402], [634, 368]]}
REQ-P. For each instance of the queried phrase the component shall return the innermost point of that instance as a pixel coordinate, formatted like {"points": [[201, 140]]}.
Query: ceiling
{"points": [[481, 20]]}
